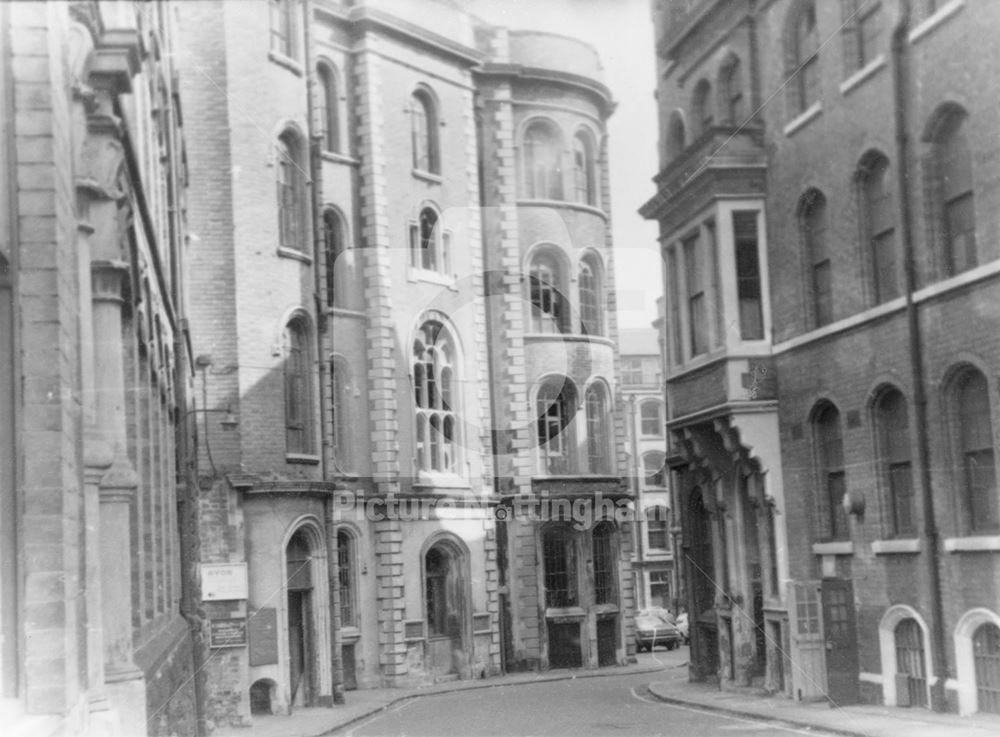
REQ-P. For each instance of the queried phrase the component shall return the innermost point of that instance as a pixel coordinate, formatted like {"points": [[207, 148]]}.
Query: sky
{"points": [[622, 33]]}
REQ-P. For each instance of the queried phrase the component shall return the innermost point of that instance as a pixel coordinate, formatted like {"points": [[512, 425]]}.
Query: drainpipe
{"points": [[901, 72], [316, 179], [637, 526]]}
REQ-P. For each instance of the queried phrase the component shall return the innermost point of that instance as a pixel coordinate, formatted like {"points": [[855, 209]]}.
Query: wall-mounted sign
{"points": [[223, 581], [227, 632], [263, 628]]}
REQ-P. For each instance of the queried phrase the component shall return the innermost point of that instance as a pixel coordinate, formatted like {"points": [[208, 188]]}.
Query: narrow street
{"points": [[579, 707]]}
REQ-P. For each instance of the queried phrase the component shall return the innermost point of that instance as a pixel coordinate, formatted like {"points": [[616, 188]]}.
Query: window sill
{"points": [[570, 337], [972, 544], [856, 79], [567, 204], [286, 62], [427, 176], [940, 16], [294, 254], [345, 312], [889, 547], [839, 547], [440, 480], [306, 459], [415, 274], [565, 612], [350, 635], [336, 158], [810, 113]]}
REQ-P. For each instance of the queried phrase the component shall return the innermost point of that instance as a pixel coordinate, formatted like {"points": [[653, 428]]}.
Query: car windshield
{"points": [[648, 621], [657, 612]]}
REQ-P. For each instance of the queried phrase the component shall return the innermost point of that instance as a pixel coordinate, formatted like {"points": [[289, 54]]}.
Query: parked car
{"points": [[682, 625], [652, 629]]}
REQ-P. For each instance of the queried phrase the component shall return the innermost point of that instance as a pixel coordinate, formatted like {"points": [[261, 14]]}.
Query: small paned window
{"points": [[603, 539], [548, 308], [830, 461], [555, 405], [820, 270], [298, 389], [657, 528], [975, 433], [651, 418], [434, 388], [748, 287], [559, 562], [897, 475]]}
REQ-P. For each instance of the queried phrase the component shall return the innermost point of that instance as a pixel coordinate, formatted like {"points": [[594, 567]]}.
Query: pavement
{"points": [[667, 684]]}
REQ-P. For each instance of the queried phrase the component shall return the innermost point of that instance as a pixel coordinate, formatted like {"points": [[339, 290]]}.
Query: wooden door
{"points": [[840, 631], [806, 638]]}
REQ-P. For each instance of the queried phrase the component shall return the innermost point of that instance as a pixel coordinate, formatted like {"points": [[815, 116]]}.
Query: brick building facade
{"points": [[399, 234], [827, 204], [94, 375]]}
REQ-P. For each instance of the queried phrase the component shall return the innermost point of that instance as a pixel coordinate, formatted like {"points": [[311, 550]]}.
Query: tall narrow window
{"points": [[657, 527], [861, 31], [341, 420], [327, 103], [283, 27], [676, 135], [542, 168], [802, 58], [555, 404], [954, 195], [651, 418], [590, 299], [732, 91], [603, 539], [879, 225], [423, 132], [975, 433], [338, 277], [434, 387], [598, 421], [346, 562], [897, 476], [292, 219], [654, 470], [584, 170], [820, 270], [548, 309], [748, 275], [674, 277], [298, 389], [559, 565], [694, 271], [702, 107], [830, 461]]}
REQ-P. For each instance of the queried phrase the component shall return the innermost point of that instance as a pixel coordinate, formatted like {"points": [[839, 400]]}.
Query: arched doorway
{"points": [[986, 656], [446, 608], [911, 688], [302, 675]]}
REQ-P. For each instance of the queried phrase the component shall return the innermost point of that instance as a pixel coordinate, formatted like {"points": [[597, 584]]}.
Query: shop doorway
{"points": [[301, 618]]}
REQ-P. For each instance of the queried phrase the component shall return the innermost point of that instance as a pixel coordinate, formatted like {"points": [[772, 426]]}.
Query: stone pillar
{"points": [[117, 488]]}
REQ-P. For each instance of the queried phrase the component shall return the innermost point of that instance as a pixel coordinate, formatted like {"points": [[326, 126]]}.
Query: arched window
{"points": [[829, 444], [559, 561], [657, 527], [879, 226], [584, 179], [802, 57], [975, 450], [861, 30], [298, 388], [952, 190], [435, 388], [341, 418], [548, 306], [430, 243], [893, 428], [731, 83], [986, 658], [654, 470], [283, 27], [651, 418], [555, 405], [346, 565], [590, 299], [676, 135], [292, 220], [423, 132], [603, 556], [338, 276], [328, 101], [813, 222], [598, 422], [542, 162], [701, 107]]}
